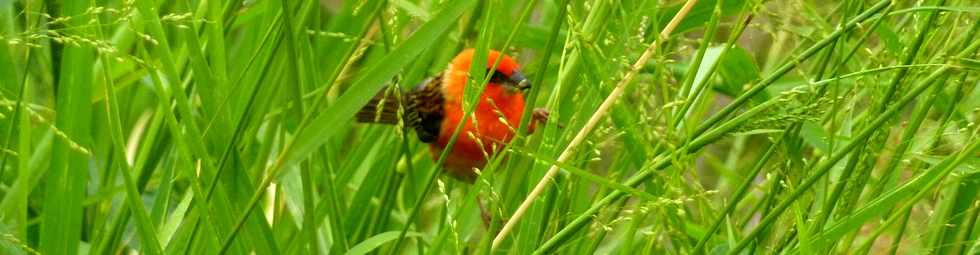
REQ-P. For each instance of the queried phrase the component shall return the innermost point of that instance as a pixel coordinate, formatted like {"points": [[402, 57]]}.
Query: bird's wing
{"points": [[421, 108], [426, 102], [383, 108]]}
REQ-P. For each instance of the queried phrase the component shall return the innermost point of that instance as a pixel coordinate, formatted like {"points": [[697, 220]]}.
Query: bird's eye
{"points": [[497, 77]]}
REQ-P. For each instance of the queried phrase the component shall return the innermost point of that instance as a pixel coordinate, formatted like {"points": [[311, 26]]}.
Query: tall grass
{"points": [[202, 127]]}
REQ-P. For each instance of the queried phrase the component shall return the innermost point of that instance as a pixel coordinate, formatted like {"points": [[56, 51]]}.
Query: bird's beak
{"points": [[520, 82]]}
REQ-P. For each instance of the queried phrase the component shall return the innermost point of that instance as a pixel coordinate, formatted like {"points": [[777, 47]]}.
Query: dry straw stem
{"points": [[601, 112]]}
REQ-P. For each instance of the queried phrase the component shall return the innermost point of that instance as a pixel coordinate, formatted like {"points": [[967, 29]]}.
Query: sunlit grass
{"points": [[202, 127]]}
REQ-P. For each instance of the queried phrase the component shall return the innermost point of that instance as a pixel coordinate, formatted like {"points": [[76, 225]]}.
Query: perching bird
{"points": [[434, 109]]}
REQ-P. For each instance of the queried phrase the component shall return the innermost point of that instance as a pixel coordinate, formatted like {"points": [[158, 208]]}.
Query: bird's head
{"points": [[507, 74]]}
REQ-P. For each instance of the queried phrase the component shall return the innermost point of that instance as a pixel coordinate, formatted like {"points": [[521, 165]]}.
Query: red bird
{"points": [[434, 109]]}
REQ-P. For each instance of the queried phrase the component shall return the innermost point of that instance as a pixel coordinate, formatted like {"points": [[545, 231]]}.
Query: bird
{"points": [[434, 109]]}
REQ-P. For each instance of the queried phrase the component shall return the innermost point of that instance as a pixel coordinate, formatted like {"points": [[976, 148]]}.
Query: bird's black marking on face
{"points": [[515, 80], [498, 77]]}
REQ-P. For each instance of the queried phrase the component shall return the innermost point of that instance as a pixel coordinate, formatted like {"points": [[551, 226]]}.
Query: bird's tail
{"points": [[383, 108]]}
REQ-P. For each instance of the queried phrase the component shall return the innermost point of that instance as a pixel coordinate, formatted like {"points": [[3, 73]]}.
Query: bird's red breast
{"points": [[492, 125]]}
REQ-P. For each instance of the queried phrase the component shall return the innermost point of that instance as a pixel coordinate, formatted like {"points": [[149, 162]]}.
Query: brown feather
{"points": [[383, 108], [421, 109]]}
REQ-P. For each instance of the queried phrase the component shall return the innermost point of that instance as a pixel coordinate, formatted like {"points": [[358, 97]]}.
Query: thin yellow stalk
{"points": [[599, 114]]}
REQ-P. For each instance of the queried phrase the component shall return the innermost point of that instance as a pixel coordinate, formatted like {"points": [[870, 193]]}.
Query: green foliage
{"points": [[224, 126]]}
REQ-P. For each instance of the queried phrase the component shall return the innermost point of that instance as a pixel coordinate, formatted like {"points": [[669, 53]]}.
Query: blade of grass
{"points": [[66, 181], [917, 188], [611, 99], [145, 227]]}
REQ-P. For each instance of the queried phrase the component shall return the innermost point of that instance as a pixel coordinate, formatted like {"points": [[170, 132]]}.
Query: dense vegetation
{"points": [[731, 127]]}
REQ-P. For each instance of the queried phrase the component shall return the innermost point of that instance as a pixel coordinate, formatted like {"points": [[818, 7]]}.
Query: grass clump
{"points": [[727, 127]]}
